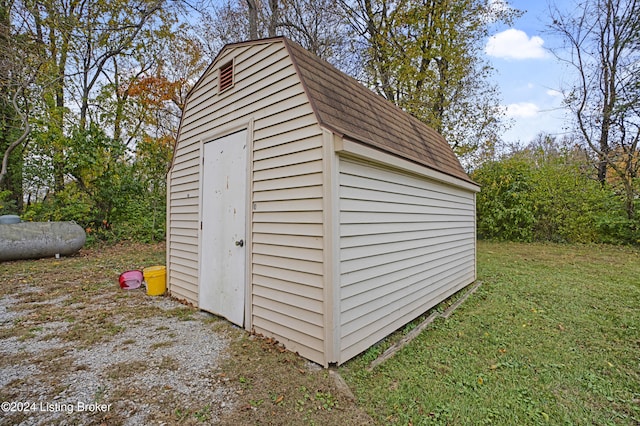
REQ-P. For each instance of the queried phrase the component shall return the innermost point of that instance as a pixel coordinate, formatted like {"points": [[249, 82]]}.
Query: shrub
{"points": [[505, 206], [7, 203], [114, 195], [537, 196]]}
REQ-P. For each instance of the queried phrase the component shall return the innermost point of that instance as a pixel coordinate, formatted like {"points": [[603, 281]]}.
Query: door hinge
{"points": [[201, 225]]}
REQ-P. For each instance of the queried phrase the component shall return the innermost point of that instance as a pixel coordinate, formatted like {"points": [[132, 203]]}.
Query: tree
{"points": [[317, 25], [79, 39], [109, 93], [145, 90], [601, 45], [106, 30], [425, 56], [20, 65], [253, 19]]}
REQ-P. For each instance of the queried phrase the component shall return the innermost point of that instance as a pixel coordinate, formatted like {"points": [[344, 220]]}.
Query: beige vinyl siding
{"points": [[205, 110], [287, 261], [286, 192], [406, 243], [287, 231]]}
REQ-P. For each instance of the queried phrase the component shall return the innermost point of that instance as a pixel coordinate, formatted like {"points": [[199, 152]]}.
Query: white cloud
{"points": [[554, 93], [522, 110], [515, 44]]}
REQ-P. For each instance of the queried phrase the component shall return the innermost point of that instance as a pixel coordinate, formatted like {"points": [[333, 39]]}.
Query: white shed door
{"points": [[222, 265]]}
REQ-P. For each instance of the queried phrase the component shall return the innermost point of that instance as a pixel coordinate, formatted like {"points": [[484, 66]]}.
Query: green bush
{"points": [[505, 205], [68, 204], [7, 203], [533, 195], [114, 195], [568, 204], [614, 225]]}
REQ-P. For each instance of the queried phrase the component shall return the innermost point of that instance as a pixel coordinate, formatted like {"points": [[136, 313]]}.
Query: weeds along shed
{"points": [[305, 207]]}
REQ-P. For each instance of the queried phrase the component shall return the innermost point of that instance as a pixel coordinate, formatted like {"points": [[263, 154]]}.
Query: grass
{"points": [[551, 337]]}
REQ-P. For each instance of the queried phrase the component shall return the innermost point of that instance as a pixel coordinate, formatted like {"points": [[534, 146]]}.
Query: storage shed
{"points": [[305, 207]]}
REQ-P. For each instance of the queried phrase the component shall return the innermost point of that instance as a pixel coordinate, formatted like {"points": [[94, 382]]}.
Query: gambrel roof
{"points": [[348, 108]]}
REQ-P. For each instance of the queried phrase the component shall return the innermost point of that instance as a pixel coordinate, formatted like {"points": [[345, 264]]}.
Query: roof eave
{"points": [[364, 150]]}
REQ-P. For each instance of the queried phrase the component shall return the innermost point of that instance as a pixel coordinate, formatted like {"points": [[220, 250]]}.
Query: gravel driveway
{"points": [[147, 372], [77, 349]]}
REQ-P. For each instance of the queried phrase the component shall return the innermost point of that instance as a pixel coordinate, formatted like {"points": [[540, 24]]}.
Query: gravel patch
{"points": [[155, 370], [27, 348], [6, 314], [76, 349], [16, 373]]}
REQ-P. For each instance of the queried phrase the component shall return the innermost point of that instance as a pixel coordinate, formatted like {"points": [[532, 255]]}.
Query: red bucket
{"points": [[130, 280]]}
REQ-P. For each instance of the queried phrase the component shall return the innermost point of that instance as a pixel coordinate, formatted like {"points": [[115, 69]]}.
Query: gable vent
{"points": [[225, 77]]}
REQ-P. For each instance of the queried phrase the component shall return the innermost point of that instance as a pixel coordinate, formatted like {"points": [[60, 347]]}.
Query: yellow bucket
{"points": [[155, 278]]}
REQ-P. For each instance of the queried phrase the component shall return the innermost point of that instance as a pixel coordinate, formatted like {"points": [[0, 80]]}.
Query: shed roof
{"points": [[348, 108]]}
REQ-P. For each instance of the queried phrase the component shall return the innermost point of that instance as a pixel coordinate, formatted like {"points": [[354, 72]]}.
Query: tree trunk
{"points": [[253, 19], [275, 17], [11, 173]]}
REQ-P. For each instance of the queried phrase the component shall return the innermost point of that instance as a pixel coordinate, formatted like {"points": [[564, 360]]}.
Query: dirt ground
{"points": [[77, 349]]}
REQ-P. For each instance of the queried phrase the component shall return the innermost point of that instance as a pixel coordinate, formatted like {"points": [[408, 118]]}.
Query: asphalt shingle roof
{"points": [[348, 108]]}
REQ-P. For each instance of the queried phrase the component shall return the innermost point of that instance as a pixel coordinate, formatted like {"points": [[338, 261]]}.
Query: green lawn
{"points": [[551, 337]]}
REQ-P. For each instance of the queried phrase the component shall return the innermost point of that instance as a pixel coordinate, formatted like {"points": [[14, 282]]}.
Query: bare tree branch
{"points": [[601, 39]]}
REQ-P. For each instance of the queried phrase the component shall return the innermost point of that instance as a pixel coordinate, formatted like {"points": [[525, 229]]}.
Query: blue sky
{"points": [[528, 75]]}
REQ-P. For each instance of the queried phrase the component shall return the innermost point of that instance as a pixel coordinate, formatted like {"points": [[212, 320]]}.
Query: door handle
{"points": [[240, 243]]}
